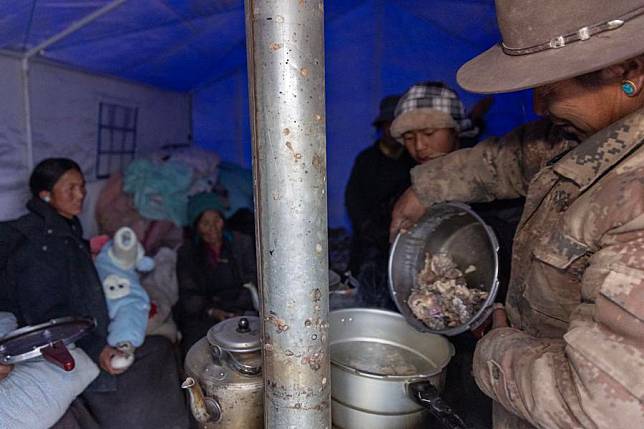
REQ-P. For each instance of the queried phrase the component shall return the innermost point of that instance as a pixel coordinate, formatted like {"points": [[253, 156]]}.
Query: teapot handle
{"points": [[242, 368], [254, 295]]}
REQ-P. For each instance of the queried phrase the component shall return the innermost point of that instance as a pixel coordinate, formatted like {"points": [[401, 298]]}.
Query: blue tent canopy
{"points": [[373, 48]]}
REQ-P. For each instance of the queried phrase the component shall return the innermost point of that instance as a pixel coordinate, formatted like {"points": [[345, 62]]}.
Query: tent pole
{"points": [[36, 50], [74, 27], [27, 110], [285, 46]]}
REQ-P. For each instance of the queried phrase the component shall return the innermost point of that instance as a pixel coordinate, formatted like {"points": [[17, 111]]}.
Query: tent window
{"points": [[116, 138]]}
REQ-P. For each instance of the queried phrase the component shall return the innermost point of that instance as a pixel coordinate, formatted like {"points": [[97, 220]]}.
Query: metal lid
{"points": [[454, 229], [27, 342], [237, 334]]}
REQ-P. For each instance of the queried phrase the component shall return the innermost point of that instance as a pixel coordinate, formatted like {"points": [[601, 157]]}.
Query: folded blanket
{"points": [[37, 393]]}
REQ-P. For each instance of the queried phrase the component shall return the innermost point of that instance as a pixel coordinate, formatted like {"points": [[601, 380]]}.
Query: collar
{"points": [[392, 152], [599, 153], [53, 221]]}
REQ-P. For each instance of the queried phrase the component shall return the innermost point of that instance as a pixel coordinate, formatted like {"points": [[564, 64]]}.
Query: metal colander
{"points": [[454, 229]]}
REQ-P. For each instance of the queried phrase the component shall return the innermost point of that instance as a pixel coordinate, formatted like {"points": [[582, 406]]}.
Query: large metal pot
{"points": [[382, 370], [454, 229], [224, 376]]}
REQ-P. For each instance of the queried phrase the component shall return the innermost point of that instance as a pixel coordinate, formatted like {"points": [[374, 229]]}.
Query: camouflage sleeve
{"points": [[594, 376], [493, 169]]}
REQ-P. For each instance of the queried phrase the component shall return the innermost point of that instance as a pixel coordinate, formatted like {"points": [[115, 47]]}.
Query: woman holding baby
{"points": [[50, 274]]}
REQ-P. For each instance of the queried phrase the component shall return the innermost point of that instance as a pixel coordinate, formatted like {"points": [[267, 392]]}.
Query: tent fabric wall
{"points": [[64, 112], [373, 48], [13, 151]]}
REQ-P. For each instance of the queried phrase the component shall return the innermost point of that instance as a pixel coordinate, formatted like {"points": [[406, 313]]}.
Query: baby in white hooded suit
{"points": [[128, 303]]}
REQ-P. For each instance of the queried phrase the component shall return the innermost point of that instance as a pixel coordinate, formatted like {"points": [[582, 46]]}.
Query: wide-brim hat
{"points": [[546, 41], [387, 108]]}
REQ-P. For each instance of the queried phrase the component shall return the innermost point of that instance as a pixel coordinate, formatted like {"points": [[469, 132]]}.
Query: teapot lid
{"points": [[237, 334]]}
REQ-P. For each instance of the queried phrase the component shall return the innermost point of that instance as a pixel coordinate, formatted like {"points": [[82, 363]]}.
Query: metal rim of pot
{"points": [[416, 377], [393, 265], [440, 366]]}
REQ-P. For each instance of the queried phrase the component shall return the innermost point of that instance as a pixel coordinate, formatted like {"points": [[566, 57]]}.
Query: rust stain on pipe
{"points": [[318, 163], [313, 358], [279, 324], [296, 155]]}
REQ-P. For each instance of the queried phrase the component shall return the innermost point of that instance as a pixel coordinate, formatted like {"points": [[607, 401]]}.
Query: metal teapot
{"points": [[224, 376]]}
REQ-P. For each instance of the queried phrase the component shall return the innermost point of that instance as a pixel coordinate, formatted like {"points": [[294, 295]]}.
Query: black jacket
{"points": [[201, 288], [375, 184], [203, 284], [375, 180], [50, 274]]}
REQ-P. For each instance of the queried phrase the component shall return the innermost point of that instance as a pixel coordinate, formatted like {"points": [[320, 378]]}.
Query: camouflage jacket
{"points": [[574, 356]]}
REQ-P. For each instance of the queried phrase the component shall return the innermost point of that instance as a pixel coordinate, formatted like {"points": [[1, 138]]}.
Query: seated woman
{"points": [[50, 274], [212, 267]]}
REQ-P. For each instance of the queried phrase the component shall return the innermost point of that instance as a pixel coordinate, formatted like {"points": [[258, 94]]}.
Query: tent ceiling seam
{"points": [[173, 11], [29, 23], [193, 30], [171, 50], [156, 56]]}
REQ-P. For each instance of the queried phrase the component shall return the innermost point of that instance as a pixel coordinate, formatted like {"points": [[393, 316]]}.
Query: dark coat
{"points": [[375, 184], [50, 274], [375, 180], [204, 284]]}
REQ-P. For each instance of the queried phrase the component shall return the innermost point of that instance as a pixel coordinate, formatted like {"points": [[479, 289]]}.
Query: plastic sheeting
{"points": [[373, 48]]}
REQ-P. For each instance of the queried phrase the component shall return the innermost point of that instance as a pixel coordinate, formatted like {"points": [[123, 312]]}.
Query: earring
{"points": [[46, 198], [630, 88]]}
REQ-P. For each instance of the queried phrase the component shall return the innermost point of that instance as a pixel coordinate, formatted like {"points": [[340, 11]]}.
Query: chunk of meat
{"points": [[441, 298]]}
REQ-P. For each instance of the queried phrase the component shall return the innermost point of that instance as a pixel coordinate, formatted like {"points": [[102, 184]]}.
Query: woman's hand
{"points": [[105, 360], [219, 314], [5, 370], [499, 317], [407, 211]]}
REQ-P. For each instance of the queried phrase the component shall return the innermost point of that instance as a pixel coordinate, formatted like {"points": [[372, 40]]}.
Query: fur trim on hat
{"points": [[420, 119]]}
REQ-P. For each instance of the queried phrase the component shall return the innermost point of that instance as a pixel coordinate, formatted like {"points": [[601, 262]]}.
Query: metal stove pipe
{"points": [[285, 44]]}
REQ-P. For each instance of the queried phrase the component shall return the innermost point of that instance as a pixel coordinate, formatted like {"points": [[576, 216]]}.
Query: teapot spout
{"points": [[199, 404]]}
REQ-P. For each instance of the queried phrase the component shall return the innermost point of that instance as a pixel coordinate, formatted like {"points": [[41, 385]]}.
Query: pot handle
{"points": [[58, 354], [424, 393], [219, 353]]}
